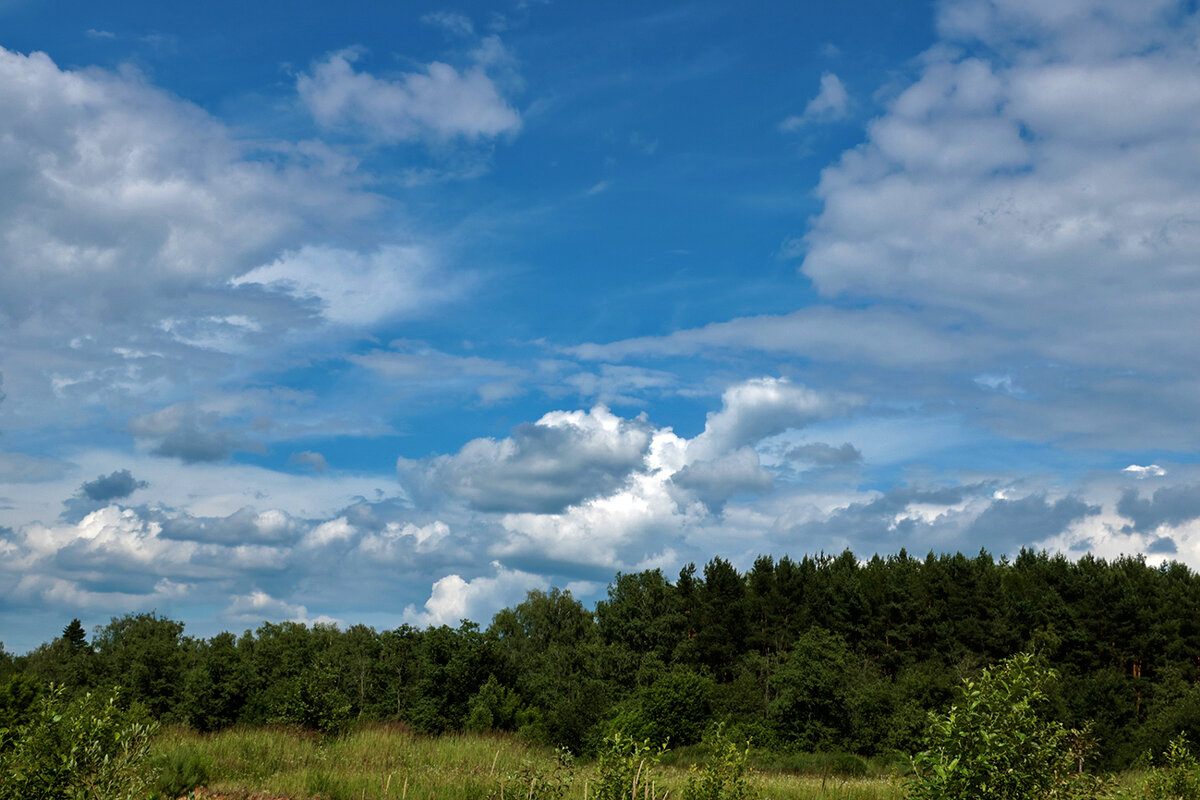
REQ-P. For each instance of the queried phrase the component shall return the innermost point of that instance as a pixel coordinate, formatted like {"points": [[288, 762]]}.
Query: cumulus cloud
{"points": [[562, 459], [454, 598], [1008, 523], [98, 493], [126, 212], [1026, 208], [115, 184], [440, 102], [753, 410], [1170, 505], [716, 480], [258, 606], [114, 486], [1146, 471]]}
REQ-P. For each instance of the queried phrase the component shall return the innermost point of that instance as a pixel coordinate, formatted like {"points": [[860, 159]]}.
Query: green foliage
{"points": [[180, 771], [725, 776], [18, 695], [816, 705], [625, 768], [315, 701], [675, 709], [995, 743], [90, 748], [493, 707], [530, 781], [1178, 778]]}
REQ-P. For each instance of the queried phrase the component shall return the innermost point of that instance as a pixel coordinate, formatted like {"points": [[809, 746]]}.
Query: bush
{"points": [[90, 748], [995, 742], [725, 776], [626, 767], [1179, 778], [529, 782]]}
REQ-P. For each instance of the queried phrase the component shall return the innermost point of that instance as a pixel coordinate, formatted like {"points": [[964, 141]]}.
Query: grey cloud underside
{"points": [[181, 431], [114, 486], [1170, 505], [1009, 523], [825, 455], [96, 494], [540, 469], [715, 481]]}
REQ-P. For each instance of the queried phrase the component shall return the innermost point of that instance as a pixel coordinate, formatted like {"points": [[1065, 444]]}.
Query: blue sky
{"points": [[390, 314]]}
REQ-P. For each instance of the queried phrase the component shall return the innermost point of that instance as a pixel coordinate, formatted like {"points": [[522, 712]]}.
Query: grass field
{"points": [[391, 763]]}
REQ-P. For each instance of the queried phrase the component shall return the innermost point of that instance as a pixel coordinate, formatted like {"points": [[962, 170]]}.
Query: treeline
{"points": [[821, 654]]}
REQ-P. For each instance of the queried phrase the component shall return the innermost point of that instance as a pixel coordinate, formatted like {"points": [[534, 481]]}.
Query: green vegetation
{"points": [[829, 665], [88, 748], [997, 743]]}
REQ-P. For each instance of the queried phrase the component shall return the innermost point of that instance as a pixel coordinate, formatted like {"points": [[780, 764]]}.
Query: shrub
{"points": [[626, 767], [529, 782], [90, 748], [995, 742], [725, 776], [1179, 778]]}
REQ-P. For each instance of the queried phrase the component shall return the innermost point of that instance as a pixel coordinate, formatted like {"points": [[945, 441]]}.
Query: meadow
{"points": [[390, 762]]}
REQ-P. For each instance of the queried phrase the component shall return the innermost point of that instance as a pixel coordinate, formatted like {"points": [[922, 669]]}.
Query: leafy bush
{"points": [[529, 782], [725, 776], [626, 767], [1179, 778], [676, 707], [995, 742], [90, 748]]}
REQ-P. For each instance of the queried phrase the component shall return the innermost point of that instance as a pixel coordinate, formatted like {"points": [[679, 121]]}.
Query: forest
{"points": [[822, 654]]}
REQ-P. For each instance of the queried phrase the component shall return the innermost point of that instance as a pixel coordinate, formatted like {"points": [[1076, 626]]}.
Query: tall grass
{"points": [[389, 762]]}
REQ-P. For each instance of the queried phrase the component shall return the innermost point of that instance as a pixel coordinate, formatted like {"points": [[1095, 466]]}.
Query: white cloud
{"points": [[440, 102], [562, 459], [453, 598], [126, 211], [451, 22], [1026, 208], [1147, 471], [753, 410], [359, 289], [831, 103], [258, 606]]}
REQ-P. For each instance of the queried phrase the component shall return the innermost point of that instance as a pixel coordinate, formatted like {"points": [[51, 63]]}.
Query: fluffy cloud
{"points": [[114, 486], [257, 606], [125, 215], [1169, 505], [756, 409], [454, 598], [560, 460], [439, 102], [109, 180], [1026, 207]]}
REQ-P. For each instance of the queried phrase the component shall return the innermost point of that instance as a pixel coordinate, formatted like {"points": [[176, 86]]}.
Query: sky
{"points": [[388, 313]]}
